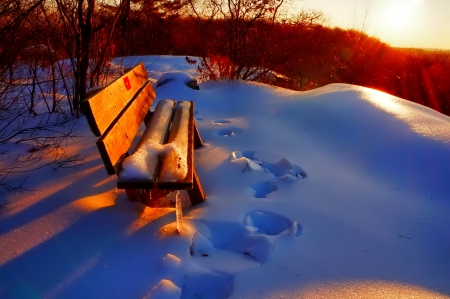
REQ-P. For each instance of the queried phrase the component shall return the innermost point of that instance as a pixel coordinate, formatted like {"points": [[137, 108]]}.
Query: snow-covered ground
{"points": [[339, 192]]}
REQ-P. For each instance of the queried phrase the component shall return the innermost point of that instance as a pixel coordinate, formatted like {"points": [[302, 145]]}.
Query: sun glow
{"points": [[399, 14], [400, 21]]}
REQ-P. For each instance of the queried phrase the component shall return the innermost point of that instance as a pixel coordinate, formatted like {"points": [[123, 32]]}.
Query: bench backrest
{"points": [[116, 113], [102, 108]]}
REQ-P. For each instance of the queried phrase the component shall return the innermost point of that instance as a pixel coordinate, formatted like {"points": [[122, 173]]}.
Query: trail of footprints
{"points": [[280, 169], [222, 249]]}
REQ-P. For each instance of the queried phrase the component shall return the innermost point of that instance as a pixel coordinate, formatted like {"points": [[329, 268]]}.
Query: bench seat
{"points": [[163, 160], [167, 165]]}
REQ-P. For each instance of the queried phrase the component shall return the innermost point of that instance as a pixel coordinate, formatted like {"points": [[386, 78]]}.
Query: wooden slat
{"points": [[157, 130], [102, 108], [185, 128], [115, 142]]}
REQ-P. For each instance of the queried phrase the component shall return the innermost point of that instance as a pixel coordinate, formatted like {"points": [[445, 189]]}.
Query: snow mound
{"points": [[177, 77]]}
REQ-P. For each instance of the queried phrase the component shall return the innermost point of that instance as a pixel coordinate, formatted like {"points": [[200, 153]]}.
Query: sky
{"points": [[400, 23]]}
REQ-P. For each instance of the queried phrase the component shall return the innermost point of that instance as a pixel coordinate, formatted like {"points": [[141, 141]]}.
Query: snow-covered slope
{"points": [[338, 192]]}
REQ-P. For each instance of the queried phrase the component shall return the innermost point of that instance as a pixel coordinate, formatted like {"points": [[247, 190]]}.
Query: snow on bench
{"points": [[143, 163]]}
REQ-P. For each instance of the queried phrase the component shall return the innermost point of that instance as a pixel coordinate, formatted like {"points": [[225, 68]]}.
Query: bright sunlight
{"points": [[397, 16], [400, 14]]}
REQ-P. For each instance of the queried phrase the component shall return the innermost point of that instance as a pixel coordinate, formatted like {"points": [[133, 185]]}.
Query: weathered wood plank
{"points": [[102, 108], [177, 165], [156, 132], [116, 141]]}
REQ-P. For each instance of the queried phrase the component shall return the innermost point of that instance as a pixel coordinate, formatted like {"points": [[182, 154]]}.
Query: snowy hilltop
{"points": [[338, 192]]}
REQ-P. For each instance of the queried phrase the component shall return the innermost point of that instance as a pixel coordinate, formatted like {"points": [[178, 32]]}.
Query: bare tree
{"points": [[113, 14], [82, 21], [32, 117], [42, 135], [242, 50]]}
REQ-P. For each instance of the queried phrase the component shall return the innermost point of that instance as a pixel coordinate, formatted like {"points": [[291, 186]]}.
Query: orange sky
{"points": [[400, 23]]}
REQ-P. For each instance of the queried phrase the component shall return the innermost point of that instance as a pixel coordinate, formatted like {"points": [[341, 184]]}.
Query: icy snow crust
{"points": [[339, 192]]}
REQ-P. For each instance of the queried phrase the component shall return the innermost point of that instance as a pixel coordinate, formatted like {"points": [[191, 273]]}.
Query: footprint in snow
{"points": [[280, 168], [189, 280], [272, 224], [228, 131], [221, 121], [219, 250], [261, 189], [220, 125], [229, 247]]}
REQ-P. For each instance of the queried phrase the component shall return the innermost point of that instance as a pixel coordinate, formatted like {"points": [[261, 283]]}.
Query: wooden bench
{"points": [[166, 147]]}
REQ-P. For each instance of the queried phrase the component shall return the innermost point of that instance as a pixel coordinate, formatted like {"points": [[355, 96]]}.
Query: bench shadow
{"points": [[54, 190], [95, 257]]}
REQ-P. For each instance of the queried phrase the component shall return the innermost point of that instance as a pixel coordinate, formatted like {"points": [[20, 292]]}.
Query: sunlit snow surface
{"points": [[338, 192], [422, 120]]}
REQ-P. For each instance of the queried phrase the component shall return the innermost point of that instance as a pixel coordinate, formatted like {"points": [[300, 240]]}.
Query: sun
{"points": [[399, 21], [398, 14]]}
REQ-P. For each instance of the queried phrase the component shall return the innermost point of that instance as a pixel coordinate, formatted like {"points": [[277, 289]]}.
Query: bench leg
{"points": [[148, 197], [133, 195], [196, 194]]}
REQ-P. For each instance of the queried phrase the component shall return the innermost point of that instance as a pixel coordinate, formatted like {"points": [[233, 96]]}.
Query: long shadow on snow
{"points": [[95, 257], [87, 185]]}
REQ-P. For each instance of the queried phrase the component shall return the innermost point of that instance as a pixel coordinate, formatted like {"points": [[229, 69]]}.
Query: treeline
{"points": [[308, 54], [244, 39]]}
